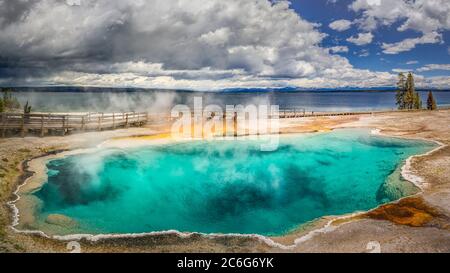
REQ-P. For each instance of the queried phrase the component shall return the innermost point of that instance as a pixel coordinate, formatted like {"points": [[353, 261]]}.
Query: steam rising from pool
{"points": [[224, 187]]}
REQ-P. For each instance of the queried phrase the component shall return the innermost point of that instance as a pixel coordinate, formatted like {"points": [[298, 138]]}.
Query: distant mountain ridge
{"points": [[228, 90]]}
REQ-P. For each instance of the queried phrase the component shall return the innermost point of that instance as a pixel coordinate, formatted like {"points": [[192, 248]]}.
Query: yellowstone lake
{"points": [[224, 186], [49, 99]]}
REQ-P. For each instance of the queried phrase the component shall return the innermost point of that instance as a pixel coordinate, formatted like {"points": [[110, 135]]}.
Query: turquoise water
{"points": [[224, 186]]}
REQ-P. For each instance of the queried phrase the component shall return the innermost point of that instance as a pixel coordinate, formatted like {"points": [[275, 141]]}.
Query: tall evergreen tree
{"points": [[431, 102], [401, 91], [407, 97], [410, 90], [417, 101]]}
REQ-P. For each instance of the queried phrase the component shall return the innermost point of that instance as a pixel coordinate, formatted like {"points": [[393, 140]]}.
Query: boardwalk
{"points": [[41, 124], [300, 112], [51, 124]]}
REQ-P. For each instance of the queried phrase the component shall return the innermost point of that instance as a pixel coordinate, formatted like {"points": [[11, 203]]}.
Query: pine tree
{"points": [[417, 101], [401, 92], [410, 90], [407, 97], [431, 102]]}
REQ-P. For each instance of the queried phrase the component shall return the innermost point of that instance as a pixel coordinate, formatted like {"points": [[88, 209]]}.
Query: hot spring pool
{"points": [[224, 186]]}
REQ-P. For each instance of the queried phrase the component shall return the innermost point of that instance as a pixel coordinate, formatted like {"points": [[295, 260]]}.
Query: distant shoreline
{"points": [[92, 89]]}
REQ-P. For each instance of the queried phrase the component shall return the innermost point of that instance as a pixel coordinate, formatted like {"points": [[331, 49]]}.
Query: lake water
{"points": [[224, 186], [163, 101]]}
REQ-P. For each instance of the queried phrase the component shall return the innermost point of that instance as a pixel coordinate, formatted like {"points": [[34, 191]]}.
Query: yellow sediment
{"points": [[146, 137], [323, 124]]}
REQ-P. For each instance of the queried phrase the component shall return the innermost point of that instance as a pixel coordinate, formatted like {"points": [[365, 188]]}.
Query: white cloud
{"points": [[400, 70], [335, 78], [363, 53], [439, 82], [339, 49], [340, 25], [218, 37], [412, 62], [420, 15], [361, 39], [408, 44], [376, 13], [429, 17], [430, 67]]}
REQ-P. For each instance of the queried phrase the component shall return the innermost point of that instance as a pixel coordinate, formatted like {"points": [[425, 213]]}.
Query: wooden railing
{"points": [[44, 123], [62, 123], [300, 112]]}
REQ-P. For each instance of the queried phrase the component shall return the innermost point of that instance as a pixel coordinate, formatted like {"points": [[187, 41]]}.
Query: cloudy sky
{"points": [[216, 44]]}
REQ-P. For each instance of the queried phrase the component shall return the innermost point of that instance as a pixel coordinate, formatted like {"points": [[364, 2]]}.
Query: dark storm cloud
{"points": [[12, 11], [194, 36]]}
